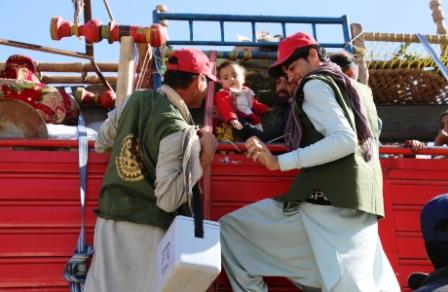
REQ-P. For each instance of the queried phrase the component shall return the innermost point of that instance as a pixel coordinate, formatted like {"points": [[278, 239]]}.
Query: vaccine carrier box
{"points": [[186, 263]]}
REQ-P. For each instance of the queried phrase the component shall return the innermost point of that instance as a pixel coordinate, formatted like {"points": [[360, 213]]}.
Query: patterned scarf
{"points": [[293, 130]]}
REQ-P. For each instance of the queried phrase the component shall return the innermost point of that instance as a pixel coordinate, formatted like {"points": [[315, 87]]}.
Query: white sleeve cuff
{"points": [[288, 161]]}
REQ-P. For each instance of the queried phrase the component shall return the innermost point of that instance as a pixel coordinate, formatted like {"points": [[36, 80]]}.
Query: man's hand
{"points": [[208, 147], [441, 138], [414, 144], [258, 151]]}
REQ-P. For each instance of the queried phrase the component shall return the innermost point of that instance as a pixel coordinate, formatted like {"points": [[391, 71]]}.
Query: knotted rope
{"points": [[75, 271]]}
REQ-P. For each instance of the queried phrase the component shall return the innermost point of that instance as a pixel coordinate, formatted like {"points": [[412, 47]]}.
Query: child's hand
{"points": [[236, 124]]}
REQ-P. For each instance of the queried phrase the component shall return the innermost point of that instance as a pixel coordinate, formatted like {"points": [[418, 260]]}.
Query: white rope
{"points": [[75, 271]]}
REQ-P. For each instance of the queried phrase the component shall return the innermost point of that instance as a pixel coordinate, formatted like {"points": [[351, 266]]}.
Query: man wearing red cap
{"points": [[323, 233], [274, 122], [157, 158]]}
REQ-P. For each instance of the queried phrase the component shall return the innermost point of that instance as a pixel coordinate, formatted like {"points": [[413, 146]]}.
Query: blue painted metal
{"points": [[283, 28], [239, 54], [246, 55], [190, 24], [243, 44], [313, 26], [253, 20], [249, 18], [283, 21], [347, 33], [433, 55], [221, 27], [254, 37]]}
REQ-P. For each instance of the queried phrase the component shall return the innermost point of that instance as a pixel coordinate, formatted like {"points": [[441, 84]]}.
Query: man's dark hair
{"points": [[443, 114], [178, 79], [344, 59], [304, 52]]}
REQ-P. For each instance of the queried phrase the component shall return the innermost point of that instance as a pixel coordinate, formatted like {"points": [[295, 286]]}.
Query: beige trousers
{"points": [[316, 247], [124, 257]]}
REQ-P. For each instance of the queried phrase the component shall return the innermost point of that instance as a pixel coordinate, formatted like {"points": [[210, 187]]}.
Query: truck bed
{"points": [[40, 210]]}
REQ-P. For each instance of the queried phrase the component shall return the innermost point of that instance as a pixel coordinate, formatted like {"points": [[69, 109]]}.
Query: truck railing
{"points": [[228, 147], [40, 200], [222, 19], [253, 20]]}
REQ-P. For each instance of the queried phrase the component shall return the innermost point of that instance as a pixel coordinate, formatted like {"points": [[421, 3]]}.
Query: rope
{"points": [[275, 139], [433, 55], [238, 149], [158, 60], [233, 145], [143, 69], [75, 271], [78, 6], [109, 11]]}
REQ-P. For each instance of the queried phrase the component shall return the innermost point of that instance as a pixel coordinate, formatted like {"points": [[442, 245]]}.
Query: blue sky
{"points": [[28, 20]]}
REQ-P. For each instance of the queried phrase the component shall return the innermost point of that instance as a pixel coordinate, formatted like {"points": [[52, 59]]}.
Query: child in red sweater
{"points": [[236, 104]]}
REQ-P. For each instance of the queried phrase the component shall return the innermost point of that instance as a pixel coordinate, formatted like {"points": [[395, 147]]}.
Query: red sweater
{"points": [[226, 110]]}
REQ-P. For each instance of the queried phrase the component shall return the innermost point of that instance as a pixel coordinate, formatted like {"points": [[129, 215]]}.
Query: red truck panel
{"points": [[39, 210]]}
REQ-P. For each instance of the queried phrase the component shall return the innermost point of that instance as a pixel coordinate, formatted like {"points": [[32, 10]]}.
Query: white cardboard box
{"points": [[186, 263]]}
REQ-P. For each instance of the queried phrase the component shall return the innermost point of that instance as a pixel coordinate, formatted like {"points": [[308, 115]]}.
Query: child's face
{"points": [[232, 77]]}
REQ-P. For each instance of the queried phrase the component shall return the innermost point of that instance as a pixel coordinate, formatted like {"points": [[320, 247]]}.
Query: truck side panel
{"points": [[40, 214]]}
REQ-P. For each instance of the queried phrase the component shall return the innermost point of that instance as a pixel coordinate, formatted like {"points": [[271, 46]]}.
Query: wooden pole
{"points": [[162, 8], [208, 125], [438, 16], [87, 17], [72, 67], [89, 79], [76, 67], [90, 49], [39, 48], [403, 37], [359, 50], [126, 67]]}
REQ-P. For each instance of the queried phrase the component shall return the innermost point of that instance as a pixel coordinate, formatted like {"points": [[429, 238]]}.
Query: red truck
{"points": [[40, 204]]}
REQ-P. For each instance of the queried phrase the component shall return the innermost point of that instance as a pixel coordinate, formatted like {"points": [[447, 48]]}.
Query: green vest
{"points": [[127, 191], [349, 182]]}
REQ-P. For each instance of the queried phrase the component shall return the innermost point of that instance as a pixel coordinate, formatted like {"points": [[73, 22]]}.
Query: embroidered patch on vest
{"points": [[129, 162]]}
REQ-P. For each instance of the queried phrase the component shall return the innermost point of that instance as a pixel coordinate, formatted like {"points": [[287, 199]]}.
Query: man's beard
{"points": [[282, 97]]}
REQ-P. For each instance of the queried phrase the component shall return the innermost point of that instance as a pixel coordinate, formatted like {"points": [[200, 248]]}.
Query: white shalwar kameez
{"points": [[317, 247]]}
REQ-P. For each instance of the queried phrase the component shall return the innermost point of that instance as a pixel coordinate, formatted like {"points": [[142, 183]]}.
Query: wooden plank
{"points": [[126, 67]]}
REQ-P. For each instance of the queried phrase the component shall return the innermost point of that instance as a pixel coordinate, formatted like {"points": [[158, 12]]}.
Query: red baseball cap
{"points": [[287, 47], [192, 61]]}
